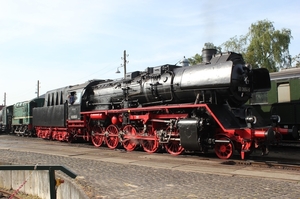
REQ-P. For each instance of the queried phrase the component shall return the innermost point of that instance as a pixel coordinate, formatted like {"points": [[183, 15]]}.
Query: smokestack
{"points": [[207, 54]]}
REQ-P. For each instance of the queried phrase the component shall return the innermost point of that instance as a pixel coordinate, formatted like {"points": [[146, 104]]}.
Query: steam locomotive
{"points": [[178, 108]]}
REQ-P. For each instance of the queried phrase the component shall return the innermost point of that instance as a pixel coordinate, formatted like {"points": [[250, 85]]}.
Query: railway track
{"points": [[290, 143], [266, 164], [277, 165]]}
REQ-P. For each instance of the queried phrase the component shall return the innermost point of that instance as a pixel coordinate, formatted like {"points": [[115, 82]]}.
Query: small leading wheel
{"points": [[97, 138], [129, 142], [224, 150], [151, 144], [112, 139], [173, 146]]}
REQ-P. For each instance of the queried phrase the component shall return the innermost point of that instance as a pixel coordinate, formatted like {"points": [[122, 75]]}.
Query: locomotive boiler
{"points": [[192, 108], [224, 78]]}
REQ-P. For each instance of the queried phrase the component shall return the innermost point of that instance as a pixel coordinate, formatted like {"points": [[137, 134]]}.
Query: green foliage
{"points": [[296, 61], [235, 44], [195, 59], [263, 46]]}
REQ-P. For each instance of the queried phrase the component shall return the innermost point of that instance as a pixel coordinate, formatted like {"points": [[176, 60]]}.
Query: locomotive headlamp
{"points": [[251, 119], [275, 118]]}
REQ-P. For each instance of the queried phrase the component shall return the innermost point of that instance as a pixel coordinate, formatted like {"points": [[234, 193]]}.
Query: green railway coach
{"points": [[22, 116], [283, 99]]}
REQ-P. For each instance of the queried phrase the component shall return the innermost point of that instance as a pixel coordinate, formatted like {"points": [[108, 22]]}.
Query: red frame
{"points": [[243, 139]]}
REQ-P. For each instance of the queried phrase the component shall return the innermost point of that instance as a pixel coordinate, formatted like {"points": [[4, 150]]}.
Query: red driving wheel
{"points": [[151, 144], [129, 142], [97, 138], [112, 139]]}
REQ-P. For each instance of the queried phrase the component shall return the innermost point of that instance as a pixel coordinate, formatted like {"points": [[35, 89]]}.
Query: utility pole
{"points": [[4, 99], [124, 64], [38, 89]]}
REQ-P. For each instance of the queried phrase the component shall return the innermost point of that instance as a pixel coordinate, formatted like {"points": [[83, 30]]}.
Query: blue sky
{"points": [[62, 43]]}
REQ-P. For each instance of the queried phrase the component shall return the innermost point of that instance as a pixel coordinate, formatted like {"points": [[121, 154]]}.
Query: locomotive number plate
{"points": [[243, 89]]}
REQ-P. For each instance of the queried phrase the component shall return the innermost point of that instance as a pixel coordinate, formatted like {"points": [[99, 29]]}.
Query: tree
{"points": [[209, 45], [197, 59], [263, 46], [296, 61], [238, 45]]}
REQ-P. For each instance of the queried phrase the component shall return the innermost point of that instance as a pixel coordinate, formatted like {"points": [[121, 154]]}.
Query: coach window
{"points": [[284, 92]]}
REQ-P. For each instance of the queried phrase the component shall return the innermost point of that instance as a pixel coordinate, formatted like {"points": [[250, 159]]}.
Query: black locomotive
{"points": [[192, 108]]}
